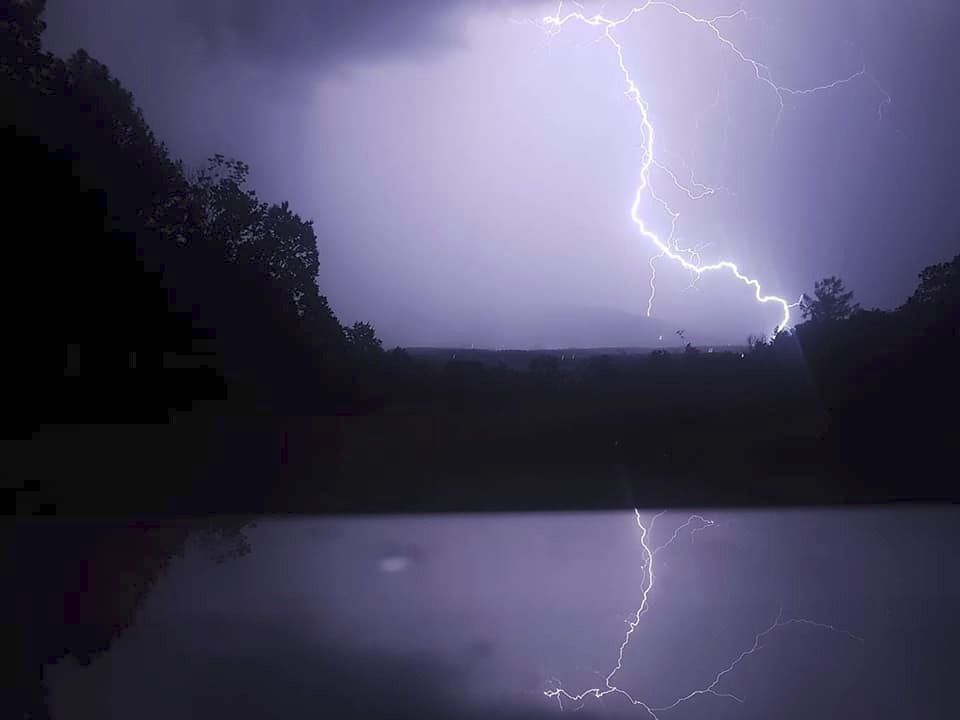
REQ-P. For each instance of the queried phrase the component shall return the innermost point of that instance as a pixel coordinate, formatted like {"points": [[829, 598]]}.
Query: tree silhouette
{"points": [[270, 239], [20, 46], [363, 338], [831, 301], [939, 285]]}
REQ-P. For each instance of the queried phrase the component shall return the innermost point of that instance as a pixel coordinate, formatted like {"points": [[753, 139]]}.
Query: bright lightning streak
{"points": [[685, 257], [609, 687]]}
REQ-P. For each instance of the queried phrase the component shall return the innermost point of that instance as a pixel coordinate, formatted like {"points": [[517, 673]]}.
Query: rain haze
{"points": [[470, 174]]}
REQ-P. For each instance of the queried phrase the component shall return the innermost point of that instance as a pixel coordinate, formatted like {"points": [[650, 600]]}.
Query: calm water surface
{"points": [[481, 615]]}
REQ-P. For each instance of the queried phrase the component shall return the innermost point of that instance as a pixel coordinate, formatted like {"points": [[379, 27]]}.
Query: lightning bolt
{"points": [[689, 258], [697, 523]]}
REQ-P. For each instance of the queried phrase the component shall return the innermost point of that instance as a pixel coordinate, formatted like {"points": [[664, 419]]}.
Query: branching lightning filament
{"points": [[689, 258], [695, 523]]}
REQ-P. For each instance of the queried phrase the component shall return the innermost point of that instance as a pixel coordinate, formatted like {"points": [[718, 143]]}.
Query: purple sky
{"points": [[471, 178], [476, 615]]}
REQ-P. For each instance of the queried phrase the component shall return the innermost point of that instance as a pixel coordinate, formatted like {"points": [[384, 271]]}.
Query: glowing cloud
{"points": [[689, 258]]}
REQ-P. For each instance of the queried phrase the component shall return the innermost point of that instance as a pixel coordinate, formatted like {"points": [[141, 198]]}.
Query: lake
{"points": [[786, 613]]}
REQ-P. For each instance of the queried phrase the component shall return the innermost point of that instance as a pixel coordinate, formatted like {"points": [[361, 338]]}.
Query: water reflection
{"points": [[490, 615]]}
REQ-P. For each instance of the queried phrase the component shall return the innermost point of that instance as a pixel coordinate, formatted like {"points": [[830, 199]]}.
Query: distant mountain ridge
{"points": [[529, 328]]}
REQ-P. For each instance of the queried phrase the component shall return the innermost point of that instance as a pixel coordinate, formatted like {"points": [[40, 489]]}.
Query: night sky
{"points": [[477, 615], [471, 177]]}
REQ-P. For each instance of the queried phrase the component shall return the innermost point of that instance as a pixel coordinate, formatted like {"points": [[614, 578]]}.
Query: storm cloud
{"points": [[470, 178], [322, 34]]}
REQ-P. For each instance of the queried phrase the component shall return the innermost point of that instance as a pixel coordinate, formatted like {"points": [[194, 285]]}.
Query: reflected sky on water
{"points": [[479, 615]]}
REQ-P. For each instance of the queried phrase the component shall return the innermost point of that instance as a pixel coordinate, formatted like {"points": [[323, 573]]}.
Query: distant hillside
{"points": [[529, 329], [569, 360]]}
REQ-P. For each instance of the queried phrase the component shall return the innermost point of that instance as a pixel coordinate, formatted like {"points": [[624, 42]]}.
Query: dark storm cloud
{"points": [[318, 33]]}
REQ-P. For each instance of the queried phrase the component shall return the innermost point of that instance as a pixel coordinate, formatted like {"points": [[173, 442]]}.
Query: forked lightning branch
{"points": [[689, 258], [612, 685]]}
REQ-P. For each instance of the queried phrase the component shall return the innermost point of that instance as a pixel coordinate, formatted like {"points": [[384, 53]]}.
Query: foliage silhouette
{"points": [[831, 301], [363, 338]]}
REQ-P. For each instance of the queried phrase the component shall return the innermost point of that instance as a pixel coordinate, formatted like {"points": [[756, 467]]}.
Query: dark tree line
{"points": [[887, 379], [117, 259]]}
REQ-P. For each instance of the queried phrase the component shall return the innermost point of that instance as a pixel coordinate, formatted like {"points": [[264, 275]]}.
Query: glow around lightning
{"points": [[689, 258], [695, 523]]}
